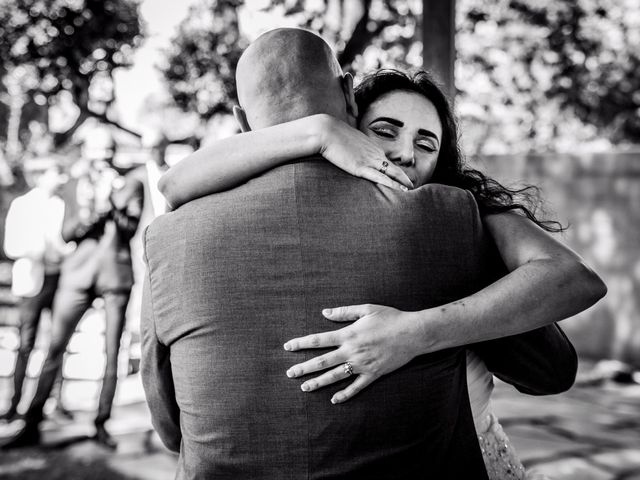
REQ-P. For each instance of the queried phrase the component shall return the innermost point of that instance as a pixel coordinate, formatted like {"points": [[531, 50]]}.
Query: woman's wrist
{"points": [[430, 331], [323, 126], [412, 326]]}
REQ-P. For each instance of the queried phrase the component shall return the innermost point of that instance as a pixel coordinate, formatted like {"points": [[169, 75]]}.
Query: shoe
{"points": [[29, 436], [104, 438]]}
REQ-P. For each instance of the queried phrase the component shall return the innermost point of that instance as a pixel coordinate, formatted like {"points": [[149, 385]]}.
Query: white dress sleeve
{"points": [[480, 385]]}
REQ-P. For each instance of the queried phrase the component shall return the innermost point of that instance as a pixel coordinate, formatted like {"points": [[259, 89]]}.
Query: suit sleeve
{"points": [[539, 362], [157, 379]]}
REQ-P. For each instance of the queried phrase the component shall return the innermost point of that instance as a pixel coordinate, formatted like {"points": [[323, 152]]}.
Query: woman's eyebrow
{"points": [[392, 121], [428, 133]]}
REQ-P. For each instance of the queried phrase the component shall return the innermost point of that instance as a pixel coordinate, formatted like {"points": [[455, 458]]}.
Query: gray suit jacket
{"points": [[232, 276]]}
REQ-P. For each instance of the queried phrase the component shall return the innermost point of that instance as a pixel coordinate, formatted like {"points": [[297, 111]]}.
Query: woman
{"points": [[407, 121]]}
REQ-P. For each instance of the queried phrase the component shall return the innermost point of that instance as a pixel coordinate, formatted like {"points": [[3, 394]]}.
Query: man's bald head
{"points": [[287, 74]]}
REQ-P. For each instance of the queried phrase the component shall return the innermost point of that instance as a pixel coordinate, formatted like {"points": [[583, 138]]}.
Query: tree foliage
{"points": [[548, 75], [366, 34], [543, 75], [54, 47], [201, 64]]}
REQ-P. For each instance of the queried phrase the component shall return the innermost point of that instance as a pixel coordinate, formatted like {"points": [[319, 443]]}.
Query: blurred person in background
{"points": [[102, 213], [33, 239], [155, 167]]}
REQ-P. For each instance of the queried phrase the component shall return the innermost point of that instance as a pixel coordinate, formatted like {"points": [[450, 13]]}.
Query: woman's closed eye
{"points": [[427, 146], [384, 132]]}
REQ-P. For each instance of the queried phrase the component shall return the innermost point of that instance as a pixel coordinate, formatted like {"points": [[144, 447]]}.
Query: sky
{"points": [[135, 84]]}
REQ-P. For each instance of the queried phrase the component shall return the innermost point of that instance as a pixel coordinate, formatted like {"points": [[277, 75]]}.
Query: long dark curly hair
{"points": [[451, 168]]}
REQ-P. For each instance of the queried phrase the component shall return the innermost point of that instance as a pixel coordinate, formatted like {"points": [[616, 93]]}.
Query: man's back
{"points": [[235, 275]]}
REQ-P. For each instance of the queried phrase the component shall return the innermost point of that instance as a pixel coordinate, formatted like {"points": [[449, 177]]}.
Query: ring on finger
{"points": [[383, 168], [348, 368]]}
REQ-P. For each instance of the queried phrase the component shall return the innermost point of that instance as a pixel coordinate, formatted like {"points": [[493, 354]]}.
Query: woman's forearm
{"points": [[548, 282], [536, 294], [234, 160], [382, 339]]}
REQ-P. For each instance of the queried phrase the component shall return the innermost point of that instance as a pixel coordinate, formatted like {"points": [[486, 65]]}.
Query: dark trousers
{"points": [[30, 309], [68, 308]]}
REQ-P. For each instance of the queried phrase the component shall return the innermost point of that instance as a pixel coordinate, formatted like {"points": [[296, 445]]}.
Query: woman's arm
{"points": [[538, 362], [234, 160], [547, 283]]}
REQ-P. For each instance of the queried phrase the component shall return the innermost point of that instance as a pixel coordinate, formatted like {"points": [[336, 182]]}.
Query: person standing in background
{"points": [[33, 239], [102, 213], [155, 167]]}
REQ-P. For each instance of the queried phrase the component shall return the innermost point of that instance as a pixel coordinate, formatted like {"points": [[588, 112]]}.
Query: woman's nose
{"points": [[404, 155]]}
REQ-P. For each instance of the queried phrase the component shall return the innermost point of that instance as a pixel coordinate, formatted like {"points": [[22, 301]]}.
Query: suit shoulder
{"points": [[447, 194], [161, 224]]}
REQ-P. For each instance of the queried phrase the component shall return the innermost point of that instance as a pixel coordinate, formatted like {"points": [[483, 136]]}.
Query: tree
{"points": [[201, 64], [548, 75], [598, 58], [56, 49], [530, 76], [388, 29]]}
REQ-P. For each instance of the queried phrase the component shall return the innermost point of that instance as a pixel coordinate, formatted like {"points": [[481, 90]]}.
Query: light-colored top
{"points": [[33, 238], [500, 457], [158, 201], [480, 385]]}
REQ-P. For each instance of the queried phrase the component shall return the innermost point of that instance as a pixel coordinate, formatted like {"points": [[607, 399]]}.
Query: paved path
{"points": [[588, 433]]}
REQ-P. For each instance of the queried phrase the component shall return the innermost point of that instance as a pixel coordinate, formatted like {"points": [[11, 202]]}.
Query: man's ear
{"points": [[349, 97], [241, 118]]}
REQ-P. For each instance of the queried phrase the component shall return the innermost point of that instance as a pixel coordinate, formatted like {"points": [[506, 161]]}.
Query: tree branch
{"points": [[103, 118], [361, 36], [60, 139], [192, 140]]}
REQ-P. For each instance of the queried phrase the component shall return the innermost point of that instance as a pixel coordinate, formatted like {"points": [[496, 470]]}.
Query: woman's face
{"points": [[407, 127]]}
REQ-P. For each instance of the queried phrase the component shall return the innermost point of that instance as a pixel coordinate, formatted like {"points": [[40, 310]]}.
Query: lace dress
{"points": [[499, 456]]}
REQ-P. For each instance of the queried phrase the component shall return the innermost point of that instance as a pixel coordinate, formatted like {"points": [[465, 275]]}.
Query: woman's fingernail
{"points": [[291, 373], [287, 346], [305, 387], [336, 399], [326, 312]]}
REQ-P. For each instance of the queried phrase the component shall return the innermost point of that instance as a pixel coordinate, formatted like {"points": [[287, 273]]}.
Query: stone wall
{"points": [[599, 196]]}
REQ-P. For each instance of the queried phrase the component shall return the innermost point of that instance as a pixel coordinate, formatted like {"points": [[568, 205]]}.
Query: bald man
{"points": [[232, 276], [278, 80]]}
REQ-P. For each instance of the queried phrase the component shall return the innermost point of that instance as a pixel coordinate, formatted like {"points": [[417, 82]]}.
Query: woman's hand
{"points": [[381, 340], [352, 151]]}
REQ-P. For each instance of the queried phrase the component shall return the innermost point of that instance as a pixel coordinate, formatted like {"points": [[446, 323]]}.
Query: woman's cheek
{"points": [[426, 173]]}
